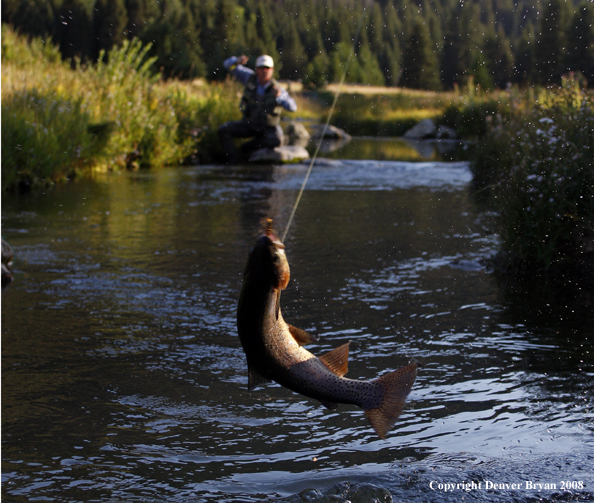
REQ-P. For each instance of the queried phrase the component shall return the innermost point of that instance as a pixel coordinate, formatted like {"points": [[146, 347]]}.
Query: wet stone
{"points": [[342, 493], [284, 154]]}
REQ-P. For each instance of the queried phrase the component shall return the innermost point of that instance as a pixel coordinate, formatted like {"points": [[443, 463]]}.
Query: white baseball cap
{"points": [[265, 60]]}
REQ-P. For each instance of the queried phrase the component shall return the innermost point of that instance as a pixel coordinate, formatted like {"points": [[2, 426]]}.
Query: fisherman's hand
{"points": [[277, 90], [243, 59]]}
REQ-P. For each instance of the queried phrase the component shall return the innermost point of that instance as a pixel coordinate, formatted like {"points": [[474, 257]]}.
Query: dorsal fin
{"points": [[337, 360], [301, 336], [255, 378]]}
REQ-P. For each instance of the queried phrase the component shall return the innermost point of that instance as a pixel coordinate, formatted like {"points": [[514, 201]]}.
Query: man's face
{"points": [[264, 74]]}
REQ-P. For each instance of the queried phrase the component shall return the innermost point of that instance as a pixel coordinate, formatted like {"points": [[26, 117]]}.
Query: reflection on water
{"points": [[393, 149], [123, 377]]}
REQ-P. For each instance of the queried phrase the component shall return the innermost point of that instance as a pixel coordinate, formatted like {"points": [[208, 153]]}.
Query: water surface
{"points": [[123, 378]]}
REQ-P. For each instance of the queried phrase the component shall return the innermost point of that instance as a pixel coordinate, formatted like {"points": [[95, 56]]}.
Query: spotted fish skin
{"points": [[274, 349]]}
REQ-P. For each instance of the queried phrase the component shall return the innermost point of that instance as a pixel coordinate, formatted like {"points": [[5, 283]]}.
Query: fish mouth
{"points": [[280, 264]]}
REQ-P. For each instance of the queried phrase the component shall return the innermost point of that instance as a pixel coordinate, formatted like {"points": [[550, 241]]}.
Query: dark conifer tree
{"points": [[524, 56], [420, 68], [74, 31], [175, 42], [293, 55], [580, 56], [109, 22], [551, 43], [35, 18], [498, 57]]}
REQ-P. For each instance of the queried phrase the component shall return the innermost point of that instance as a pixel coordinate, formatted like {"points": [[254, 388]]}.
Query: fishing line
{"points": [[313, 159]]}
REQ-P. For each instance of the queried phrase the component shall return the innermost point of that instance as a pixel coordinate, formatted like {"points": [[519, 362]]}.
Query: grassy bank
{"points": [[60, 119], [536, 161], [374, 111]]}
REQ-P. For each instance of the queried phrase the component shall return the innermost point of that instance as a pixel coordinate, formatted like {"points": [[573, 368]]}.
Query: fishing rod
{"points": [[336, 94]]}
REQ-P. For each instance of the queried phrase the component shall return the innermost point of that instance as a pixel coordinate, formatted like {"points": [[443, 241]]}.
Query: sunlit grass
{"points": [[57, 121]]}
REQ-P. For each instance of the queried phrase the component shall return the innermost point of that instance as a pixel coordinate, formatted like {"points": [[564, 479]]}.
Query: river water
{"points": [[123, 378]]}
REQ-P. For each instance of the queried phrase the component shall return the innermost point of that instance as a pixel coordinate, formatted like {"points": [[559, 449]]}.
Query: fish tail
{"points": [[397, 386]]}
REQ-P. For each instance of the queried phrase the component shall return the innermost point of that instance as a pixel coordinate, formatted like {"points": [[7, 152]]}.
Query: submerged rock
{"points": [[424, 129], [7, 256], [283, 154], [343, 493]]}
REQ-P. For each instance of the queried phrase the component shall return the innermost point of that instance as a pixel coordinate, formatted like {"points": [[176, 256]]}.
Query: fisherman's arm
{"points": [[284, 99], [234, 64]]}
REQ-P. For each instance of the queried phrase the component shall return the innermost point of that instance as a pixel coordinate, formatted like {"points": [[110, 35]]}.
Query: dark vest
{"points": [[260, 110]]}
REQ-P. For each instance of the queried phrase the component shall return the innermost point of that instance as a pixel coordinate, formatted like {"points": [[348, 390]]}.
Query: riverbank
{"points": [[62, 119], [535, 162]]}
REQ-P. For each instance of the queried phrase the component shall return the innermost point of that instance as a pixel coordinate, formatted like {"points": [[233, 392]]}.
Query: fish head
{"points": [[268, 261]]}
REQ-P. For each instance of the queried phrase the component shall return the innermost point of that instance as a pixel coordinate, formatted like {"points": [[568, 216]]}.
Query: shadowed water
{"points": [[123, 378]]}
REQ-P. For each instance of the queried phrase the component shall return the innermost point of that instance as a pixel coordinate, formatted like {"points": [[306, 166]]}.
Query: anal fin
{"points": [[337, 360], [301, 336], [255, 379]]}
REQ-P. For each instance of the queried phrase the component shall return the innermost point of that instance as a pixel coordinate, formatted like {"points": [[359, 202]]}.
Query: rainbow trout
{"points": [[274, 348]]}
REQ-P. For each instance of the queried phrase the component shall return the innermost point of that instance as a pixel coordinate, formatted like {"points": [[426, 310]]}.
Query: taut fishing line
{"points": [[313, 159]]}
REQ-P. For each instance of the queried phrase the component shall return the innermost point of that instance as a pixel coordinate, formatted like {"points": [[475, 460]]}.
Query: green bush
{"points": [[44, 138], [539, 164], [57, 121], [471, 120]]}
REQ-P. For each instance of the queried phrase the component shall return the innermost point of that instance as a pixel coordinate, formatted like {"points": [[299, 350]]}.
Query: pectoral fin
{"points": [[255, 379], [301, 336], [337, 360]]}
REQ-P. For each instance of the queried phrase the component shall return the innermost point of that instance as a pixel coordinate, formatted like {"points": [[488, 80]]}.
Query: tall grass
{"points": [[60, 118], [539, 165]]}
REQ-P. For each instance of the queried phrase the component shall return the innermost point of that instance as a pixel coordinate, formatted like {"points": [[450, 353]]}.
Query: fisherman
{"points": [[261, 106]]}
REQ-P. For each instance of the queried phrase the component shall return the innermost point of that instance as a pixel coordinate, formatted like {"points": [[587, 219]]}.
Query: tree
{"points": [[293, 55], [551, 43], [462, 45], [33, 17], [581, 42], [420, 68], [524, 68], [499, 57], [176, 42], [109, 22], [74, 31], [370, 69]]}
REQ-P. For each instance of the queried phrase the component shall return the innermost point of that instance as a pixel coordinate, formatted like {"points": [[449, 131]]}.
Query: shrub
{"points": [[540, 166]]}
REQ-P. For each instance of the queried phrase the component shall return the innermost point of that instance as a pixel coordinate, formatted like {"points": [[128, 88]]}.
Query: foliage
{"points": [[56, 120], [401, 43], [538, 164]]}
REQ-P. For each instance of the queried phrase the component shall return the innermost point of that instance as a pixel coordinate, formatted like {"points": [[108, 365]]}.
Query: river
{"points": [[123, 378]]}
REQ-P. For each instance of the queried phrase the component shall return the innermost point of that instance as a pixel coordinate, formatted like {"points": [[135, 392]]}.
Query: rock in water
{"points": [[7, 256], [424, 129], [342, 493], [284, 154], [297, 134]]}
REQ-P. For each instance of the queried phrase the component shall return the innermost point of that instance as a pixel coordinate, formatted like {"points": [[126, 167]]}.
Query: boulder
{"points": [[424, 129], [283, 154], [297, 134], [332, 133], [7, 256], [446, 133]]}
